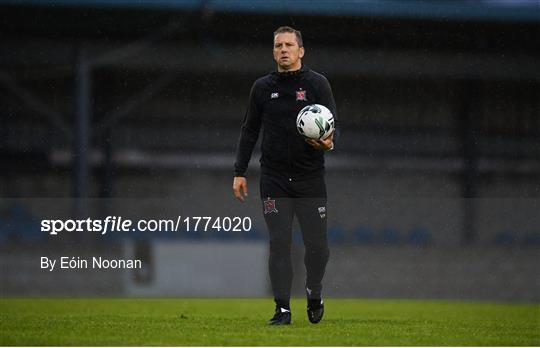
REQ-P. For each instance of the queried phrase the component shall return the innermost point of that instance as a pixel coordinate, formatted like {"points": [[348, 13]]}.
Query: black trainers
{"points": [[315, 310], [281, 317]]}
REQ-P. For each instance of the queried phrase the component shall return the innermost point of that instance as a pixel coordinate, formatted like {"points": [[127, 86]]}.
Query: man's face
{"points": [[287, 53]]}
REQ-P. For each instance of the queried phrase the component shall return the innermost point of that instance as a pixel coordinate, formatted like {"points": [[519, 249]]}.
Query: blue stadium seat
{"points": [[505, 238], [419, 236], [297, 237], [531, 239], [254, 234], [18, 225], [363, 235], [336, 235], [390, 236]]}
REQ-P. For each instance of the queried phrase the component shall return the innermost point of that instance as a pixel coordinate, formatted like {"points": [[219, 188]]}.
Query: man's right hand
{"points": [[240, 188]]}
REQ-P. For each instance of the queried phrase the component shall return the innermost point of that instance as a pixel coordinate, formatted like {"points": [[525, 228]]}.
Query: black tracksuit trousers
{"points": [[282, 199]]}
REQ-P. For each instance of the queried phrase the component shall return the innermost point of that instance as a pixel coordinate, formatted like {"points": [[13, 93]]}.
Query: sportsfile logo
{"points": [[120, 224], [110, 223]]}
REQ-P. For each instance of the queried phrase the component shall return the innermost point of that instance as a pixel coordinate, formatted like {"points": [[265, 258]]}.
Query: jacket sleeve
{"points": [[327, 99], [249, 133]]}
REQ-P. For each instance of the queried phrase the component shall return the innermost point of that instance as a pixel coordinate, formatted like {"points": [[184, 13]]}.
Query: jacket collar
{"points": [[298, 72]]}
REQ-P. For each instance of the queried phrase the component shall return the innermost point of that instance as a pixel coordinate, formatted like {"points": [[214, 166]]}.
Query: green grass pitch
{"points": [[179, 322]]}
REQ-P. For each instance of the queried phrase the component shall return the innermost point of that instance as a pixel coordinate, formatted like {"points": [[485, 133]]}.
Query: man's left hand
{"points": [[322, 144]]}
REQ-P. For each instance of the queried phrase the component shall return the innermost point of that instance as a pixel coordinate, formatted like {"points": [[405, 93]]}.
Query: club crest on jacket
{"points": [[270, 206]]}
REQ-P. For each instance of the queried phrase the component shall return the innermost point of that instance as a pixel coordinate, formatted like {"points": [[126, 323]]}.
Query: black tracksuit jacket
{"points": [[274, 103]]}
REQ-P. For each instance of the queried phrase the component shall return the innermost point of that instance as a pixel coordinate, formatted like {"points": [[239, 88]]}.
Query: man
{"points": [[292, 170]]}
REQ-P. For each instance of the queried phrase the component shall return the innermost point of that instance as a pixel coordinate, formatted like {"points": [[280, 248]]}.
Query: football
{"points": [[315, 121]]}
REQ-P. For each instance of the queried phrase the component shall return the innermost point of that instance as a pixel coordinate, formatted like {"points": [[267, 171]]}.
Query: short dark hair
{"points": [[286, 29]]}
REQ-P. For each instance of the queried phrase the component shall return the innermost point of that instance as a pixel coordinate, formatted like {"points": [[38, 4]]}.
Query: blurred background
{"points": [[134, 108]]}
